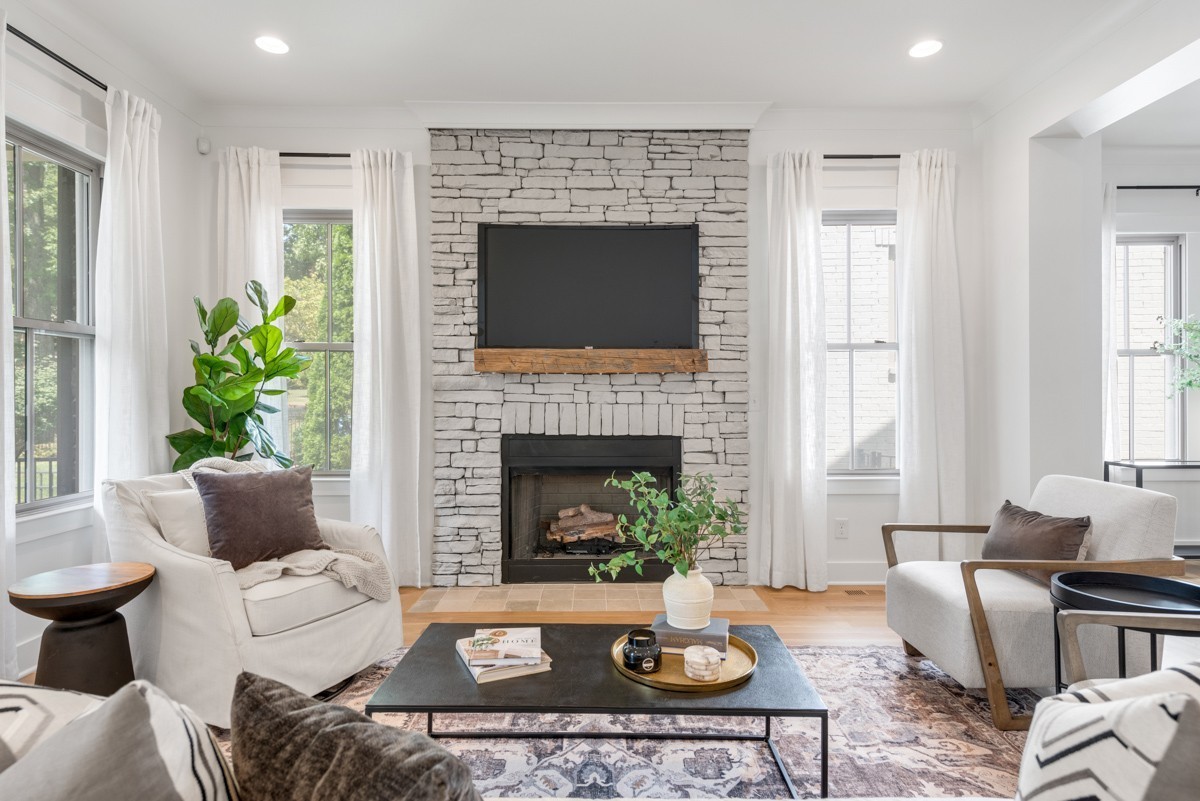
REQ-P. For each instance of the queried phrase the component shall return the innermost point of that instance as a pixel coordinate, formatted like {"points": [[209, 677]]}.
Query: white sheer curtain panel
{"points": [[8, 459], [1108, 326], [932, 422], [788, 532], [250, 241], [387, 485], [132, 394]]}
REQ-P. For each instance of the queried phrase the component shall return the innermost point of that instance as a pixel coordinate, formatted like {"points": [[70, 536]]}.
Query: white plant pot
{"points": [[688, 600]]}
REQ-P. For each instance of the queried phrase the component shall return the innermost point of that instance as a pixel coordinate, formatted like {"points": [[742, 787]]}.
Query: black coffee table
{"points": [[432, 679]]}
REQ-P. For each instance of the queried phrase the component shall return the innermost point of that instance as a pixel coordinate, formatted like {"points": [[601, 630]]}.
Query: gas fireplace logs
{"points": [[582, 523]]}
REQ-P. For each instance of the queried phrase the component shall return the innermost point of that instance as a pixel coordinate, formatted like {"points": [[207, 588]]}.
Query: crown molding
{"points": [[590, 116]]}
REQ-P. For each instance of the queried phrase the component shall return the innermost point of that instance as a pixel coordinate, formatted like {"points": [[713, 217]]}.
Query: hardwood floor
{"points": [[849, 615]]}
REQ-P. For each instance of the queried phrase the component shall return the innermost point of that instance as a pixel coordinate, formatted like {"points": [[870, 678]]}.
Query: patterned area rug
{"points": [[898, 727]]}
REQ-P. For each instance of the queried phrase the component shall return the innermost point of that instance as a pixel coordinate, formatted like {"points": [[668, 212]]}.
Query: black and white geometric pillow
{"points": [[138, 744], [30, 714], [1134, 749]]}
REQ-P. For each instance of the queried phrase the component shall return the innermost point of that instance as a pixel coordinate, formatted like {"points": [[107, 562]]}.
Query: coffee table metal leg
{"points": [[429, 724], [1153, 652]]}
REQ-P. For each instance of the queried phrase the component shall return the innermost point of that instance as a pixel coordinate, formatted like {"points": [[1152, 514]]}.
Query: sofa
{"points": [[193, 630]]}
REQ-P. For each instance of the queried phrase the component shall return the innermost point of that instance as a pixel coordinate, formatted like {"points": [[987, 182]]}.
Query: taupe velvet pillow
{"points": [[289, 747], [1018, 533], [257, 517]]}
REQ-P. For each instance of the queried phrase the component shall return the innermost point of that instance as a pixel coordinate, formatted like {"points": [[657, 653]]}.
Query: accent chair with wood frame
{"points": [[989, 626]]}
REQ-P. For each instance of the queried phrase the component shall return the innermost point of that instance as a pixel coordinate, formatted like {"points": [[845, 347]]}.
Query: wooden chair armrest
{"points": [[1069, 621], [983, 633], [889, 543]]}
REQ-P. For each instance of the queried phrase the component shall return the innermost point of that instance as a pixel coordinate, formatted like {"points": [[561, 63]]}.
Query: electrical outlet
{"points": [[841, 528]]}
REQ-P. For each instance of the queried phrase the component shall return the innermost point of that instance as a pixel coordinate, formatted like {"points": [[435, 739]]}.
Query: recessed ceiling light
{"points": [[273, 45], [926, 48]]}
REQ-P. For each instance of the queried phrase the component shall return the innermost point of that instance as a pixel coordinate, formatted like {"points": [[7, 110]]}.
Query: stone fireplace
{"points": [[541, 476], [564, 178]]}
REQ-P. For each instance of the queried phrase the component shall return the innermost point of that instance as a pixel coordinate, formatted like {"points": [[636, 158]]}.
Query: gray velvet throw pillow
{"points": [[1018, 533], [289, 747], [257, 517]]}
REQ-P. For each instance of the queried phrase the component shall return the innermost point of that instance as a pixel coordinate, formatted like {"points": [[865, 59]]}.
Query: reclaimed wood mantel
{"points": [[590, 361]]}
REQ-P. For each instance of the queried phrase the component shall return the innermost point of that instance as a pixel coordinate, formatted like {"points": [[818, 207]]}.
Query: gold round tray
{"points": [[738, 666]]}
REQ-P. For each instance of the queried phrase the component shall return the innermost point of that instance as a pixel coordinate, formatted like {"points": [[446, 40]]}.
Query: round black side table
{"points": [[1103, 591], [86, 646]]}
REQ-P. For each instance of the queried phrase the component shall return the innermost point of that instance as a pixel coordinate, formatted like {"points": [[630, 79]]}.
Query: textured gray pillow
{"points": [[289, 747], [137, 744], [257, 517]]}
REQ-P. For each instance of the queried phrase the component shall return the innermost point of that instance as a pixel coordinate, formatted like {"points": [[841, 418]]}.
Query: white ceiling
{"points": [[799, 53], [1173, 121]]}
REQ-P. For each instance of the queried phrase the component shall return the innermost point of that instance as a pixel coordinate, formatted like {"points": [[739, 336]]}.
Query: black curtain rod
{"points": [[861, 156], [41, 48], [314, 155], [1165, 186]]}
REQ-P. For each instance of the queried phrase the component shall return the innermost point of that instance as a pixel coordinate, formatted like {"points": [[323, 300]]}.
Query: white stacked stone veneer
{"points": [[565, 178]]}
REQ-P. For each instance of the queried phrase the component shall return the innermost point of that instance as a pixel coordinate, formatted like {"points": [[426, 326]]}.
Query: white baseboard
{"points": [[857, 572]]}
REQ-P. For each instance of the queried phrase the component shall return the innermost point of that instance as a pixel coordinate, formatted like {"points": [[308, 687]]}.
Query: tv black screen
{"points": [[548, 286]]}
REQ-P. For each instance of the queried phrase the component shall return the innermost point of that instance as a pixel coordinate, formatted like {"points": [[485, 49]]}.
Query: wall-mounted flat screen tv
{"points": [[559, 286]]}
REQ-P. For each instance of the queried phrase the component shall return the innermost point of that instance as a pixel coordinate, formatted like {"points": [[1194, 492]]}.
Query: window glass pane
{"points": [[1147, 275], [833, 262], [53, 202], [1151, 407], [306, 278], [872, 286], [341, 382], [837, 409], [343, 283], [55, 418], [19, 411], [306, 415], [874, 410]]}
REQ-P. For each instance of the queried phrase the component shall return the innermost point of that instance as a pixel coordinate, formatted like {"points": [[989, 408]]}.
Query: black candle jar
{"points": [[642, 652]]}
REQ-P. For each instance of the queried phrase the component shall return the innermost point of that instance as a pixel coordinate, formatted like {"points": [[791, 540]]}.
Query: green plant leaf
{"points": [[215, 365], [203, 394], [242, 355], [195, 346], [274, 391], [285, 305], [195, 453], [266, 408], [182, 441], [197, 409], [282, 459], [237, 385], [223, 318], [201, 312], [266, 340], [256, 293]]}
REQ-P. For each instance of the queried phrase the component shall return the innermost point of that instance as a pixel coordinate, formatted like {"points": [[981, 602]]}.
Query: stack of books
{"points": [[494, 654], [674, 641]]}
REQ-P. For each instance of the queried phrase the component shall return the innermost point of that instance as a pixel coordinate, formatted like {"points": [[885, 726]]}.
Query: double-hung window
{"points": [[1147, 289], [318, 267], [53, 203], [858, 254]]}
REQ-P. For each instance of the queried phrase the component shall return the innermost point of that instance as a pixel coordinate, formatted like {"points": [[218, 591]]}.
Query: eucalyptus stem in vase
{"points": [[678, 529]]}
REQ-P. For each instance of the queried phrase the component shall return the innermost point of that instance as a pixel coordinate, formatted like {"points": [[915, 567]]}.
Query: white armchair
{"points": [[988, 626], [193, 630]]}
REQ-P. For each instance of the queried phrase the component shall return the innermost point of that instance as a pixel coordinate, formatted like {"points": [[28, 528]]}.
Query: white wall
{"points": [[49, 99], [1017, 431], [866, 503]]}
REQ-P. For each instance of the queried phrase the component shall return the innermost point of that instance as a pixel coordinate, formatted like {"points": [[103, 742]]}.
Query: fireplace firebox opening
{"points": [[557, 516]]}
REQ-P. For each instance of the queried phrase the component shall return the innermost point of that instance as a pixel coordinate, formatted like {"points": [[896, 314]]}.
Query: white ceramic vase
{"points": [[688, 600]]}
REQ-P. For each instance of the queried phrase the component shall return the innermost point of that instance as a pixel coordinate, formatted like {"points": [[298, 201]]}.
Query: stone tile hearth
{"points": [[572, 598]]}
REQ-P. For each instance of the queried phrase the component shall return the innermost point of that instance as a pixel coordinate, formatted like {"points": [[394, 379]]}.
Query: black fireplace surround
{"points": [[540, 474]]}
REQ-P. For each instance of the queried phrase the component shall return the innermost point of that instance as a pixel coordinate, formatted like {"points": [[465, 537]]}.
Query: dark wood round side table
{"points": [[86, 646]]}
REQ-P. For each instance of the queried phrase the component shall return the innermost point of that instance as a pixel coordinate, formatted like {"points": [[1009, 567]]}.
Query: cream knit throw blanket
{"points": [[359, 570]]}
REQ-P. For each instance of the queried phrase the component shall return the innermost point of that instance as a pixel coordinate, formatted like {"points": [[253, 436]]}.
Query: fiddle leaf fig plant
{"points": [[233, 377], [676, 529]]}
